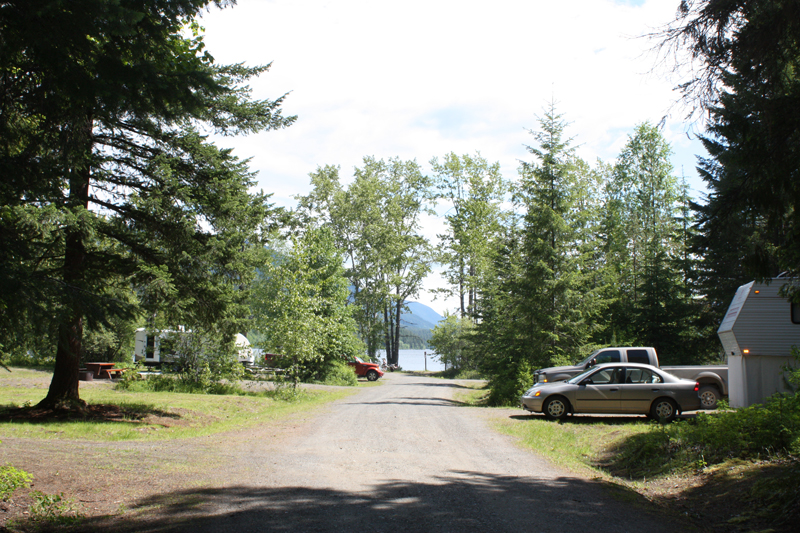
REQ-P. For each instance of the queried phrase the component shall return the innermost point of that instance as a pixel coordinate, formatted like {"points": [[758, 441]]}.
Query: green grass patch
{"points": [[114, 415], [578, 444], [457, 373], [473, 394]]}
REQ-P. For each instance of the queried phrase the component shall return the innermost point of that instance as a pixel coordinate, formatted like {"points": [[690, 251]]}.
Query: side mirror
{"points": [[592, 362], [587, 381]]}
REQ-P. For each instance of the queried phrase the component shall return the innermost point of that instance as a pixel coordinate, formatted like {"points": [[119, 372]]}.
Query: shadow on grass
{"points": [[608, 420], [126, 412], [461, 501]]}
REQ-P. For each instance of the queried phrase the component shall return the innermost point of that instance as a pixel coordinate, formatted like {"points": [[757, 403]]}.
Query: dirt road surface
{"points": [[402, 456]]}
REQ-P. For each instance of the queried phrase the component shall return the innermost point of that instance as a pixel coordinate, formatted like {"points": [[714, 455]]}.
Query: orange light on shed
{"points": [[758, 292], [745, 351]]}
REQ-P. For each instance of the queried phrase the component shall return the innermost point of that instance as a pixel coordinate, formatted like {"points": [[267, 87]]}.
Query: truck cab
{"points": [[616, 354]]}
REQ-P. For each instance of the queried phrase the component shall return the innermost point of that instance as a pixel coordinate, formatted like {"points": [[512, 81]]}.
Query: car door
{"points": [[640, 387], [599, 392]]}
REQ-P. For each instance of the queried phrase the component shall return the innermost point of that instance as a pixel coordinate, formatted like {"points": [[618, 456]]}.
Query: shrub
{"points": [[12, 479], [337, 372], [54, 509], [507, 387]]}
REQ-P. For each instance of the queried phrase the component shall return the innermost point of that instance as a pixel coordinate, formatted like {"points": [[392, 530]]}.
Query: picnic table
{"points": [[104, 370]]}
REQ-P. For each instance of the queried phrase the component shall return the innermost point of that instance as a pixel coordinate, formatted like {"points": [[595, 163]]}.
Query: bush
{"points": [[176, 383], [337, 372], [12, 479], [766, 431], [507, 387], [54, 509]]}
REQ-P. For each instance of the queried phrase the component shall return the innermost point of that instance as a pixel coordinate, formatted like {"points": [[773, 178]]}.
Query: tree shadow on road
{"points": [[463, 501]]}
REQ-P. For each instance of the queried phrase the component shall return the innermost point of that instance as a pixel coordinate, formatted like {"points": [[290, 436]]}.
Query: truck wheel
{"points": [[664, 409], [709, 396], [556, 408], [372, 375]]}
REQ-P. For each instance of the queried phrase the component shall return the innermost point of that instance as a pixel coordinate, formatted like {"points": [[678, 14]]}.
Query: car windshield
{"points": [[357, 359]]}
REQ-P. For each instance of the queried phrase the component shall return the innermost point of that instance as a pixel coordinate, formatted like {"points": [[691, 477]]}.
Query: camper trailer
{"points": [[758, 334], [155, 348]]}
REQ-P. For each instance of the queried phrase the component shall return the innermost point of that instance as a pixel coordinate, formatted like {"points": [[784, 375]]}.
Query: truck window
{"points": [[638, 356], [608, 356]]}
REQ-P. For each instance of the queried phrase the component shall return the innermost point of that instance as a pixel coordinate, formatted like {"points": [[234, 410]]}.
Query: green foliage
{"points": [[203, 384], [299, 305], [474, 190], [337, 372], [12, 479], [54, 509], [750, 87], [647, 238], [508, 382], [375, 222], [452, 342], [767, 431]]}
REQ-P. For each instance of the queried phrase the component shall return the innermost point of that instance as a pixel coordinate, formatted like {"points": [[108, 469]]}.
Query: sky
{"points": [[420, 79]]}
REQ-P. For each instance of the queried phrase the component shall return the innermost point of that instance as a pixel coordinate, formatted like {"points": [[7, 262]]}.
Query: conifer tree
{"points": [[108, 180]]}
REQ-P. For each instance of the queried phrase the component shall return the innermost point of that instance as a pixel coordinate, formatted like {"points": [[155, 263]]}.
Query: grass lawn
{"points": [[144, 415]]}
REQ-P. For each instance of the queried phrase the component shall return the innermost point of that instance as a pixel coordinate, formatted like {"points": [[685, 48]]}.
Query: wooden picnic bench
{"points": [[104, 370]]}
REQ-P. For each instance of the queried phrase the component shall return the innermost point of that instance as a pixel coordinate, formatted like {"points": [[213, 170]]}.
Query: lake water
{"points": [[415, 360], [409, 359]]}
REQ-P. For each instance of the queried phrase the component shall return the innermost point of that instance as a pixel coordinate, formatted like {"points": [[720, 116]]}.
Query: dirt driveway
{"points": [[402, 456]]}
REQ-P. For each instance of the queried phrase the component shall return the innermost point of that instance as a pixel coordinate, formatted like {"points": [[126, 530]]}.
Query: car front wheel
{"points": [[556, 408], [664, 409], [372, 375]]}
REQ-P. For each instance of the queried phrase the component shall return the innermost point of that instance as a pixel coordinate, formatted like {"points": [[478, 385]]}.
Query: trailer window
{"points": [[795, 313], [150, 349]]}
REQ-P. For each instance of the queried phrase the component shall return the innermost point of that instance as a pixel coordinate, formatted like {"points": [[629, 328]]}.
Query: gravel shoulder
{"points": [[402, 456]]}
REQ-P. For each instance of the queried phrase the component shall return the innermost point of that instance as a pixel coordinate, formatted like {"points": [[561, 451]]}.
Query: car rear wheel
{"points": [[664, 409], [556, 408], [709, 396], [372, 375]]}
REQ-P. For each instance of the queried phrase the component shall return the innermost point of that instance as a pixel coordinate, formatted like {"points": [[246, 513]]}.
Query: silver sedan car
{"points": [[623, 388]]}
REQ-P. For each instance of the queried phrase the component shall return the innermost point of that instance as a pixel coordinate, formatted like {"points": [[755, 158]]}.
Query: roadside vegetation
{"points": [[731, 470]]}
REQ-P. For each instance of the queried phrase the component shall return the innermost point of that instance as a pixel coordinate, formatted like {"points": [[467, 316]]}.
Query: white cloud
{"points": [[420, 79]]}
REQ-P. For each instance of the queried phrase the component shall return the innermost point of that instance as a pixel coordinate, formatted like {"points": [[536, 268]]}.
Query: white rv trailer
{"points": [[758, 334], [154, 348]]}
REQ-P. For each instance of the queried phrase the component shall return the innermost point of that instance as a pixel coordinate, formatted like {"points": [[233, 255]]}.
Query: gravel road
{"points": [[402, 456]]}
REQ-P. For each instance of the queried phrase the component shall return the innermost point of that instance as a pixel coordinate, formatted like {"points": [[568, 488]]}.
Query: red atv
{"points": [[371, 371]]}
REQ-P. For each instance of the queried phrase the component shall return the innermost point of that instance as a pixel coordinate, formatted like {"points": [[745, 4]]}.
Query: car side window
{"points": [[638, 356], [641, 375], [608, 356], [604, 377]]}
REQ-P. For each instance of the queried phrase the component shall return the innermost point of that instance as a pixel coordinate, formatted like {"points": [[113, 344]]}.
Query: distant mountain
{"points": [[420, 316], [417, 324]]}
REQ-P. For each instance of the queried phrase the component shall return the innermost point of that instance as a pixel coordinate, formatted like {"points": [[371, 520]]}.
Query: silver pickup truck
{"points": [[713, 379]]}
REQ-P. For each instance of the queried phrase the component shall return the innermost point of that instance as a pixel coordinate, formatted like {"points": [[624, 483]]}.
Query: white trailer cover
{"points": [[758, 334]]}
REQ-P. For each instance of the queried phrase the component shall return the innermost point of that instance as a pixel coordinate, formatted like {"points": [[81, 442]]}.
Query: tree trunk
{"points": [[398, 312], [63, 392]]}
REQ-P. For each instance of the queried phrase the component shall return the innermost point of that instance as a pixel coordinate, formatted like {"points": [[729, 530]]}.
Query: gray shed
{"points": [[758, 333]]}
